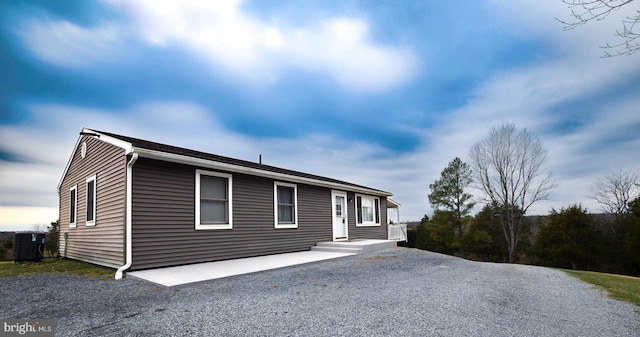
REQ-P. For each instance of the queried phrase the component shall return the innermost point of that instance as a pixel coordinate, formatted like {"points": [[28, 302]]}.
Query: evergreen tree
{"points": [[484, 238], [447, 193], [632, 240], [568, 239]]}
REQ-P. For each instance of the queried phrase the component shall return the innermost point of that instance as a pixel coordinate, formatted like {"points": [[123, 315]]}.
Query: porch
{"points": [[396, 231]]}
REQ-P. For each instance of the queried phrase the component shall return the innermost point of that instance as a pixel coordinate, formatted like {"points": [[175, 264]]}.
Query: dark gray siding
{"points": [[367, 232], [102, 244], [164, 215]]}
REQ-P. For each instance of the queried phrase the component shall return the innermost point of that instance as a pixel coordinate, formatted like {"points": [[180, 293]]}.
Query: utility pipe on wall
{"points": [[129, 254]]}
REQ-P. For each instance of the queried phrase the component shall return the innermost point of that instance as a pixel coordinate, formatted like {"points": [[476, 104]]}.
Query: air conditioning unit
{"points": [[28, 246]]}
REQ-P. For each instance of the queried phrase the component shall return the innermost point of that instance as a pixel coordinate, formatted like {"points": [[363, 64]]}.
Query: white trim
{"points": [[95, 201], [345, 211], [75, 207], [66, 168], [127, 147], [392, 203], [182, 159], [229, 224], [369, 223], [275, 205]]}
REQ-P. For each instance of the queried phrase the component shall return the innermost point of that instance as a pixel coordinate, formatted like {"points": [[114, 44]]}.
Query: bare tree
{"points": [[584, 11], [38, 227], [614, 191], [508, 165]]}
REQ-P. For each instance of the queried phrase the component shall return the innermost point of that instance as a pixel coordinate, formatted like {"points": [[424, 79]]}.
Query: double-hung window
{"points": [[285, 198], [213, 200], [91, 201], [73, 205], [368, 210]]}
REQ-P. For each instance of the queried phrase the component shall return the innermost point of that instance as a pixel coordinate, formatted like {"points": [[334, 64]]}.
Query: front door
{"points": [[340, 219]]}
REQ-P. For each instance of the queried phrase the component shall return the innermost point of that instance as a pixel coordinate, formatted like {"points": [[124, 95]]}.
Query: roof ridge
{"points": [[172, 149]]}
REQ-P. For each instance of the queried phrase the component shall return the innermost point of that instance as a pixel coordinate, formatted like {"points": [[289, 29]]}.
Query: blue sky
{"points": [[381, 93]]}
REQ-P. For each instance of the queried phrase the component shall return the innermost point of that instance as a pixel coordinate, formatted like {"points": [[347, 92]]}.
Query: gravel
{"points": [[394, 292]]}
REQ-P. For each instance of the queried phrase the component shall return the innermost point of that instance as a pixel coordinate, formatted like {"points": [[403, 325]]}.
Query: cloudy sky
{"points": [[379, 93]]}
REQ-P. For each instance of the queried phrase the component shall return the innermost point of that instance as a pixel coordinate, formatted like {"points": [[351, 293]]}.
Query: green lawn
{"points": [[53, 266], [620, 287]]}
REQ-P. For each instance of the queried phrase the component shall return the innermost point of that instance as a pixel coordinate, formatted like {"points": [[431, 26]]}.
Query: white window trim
{"points": [[369, 223], [229, 178], [95, 201], [275, 205], [75, 207]]}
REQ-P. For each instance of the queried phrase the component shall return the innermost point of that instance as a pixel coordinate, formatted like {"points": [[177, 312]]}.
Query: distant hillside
{"points": [[6, 235], [5, 249], [541, 219]]}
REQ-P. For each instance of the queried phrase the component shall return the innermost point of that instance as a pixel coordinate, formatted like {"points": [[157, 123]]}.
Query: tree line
{"points": [[507, 167]]}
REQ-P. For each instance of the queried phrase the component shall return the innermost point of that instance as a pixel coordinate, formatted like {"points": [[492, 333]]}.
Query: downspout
{"points": [[129, 254]]}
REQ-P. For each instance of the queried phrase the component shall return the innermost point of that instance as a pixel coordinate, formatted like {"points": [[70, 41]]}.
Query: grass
{"points": [[53, 266], [619, 287]]}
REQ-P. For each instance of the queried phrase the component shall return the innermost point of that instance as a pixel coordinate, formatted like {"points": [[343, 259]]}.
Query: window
{"points": [[285, 198], [368, 211], [91, 201], [213, 200], [73, 205]]}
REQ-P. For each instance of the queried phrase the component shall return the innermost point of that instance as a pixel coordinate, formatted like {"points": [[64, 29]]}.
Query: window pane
{"points": [[90, 199], [285, 195], [213, 187], [367, 210], [72, 206], [213, 211], [359, 208], [286, 204], [285, 214]]}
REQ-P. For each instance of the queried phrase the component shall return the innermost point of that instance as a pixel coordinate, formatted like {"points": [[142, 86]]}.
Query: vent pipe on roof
{"points": [[260, 158]]}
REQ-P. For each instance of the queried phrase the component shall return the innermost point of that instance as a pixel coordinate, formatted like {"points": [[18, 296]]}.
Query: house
{"points": [[132, 204]]}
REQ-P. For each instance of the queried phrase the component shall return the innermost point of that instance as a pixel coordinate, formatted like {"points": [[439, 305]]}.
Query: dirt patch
{"points": [[381, 258]]}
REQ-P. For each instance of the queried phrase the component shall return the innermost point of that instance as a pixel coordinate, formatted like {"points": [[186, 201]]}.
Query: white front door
{"points": [[340, 219]]}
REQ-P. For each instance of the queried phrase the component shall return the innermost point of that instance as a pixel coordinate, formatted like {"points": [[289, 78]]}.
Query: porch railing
{"points": [[397, 232]]}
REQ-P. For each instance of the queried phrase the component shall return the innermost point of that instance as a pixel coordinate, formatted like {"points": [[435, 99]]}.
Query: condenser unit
{"points": [[28, 246]]}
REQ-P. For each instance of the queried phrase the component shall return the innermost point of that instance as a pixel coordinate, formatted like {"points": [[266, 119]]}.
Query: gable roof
{"points": [[153, 150]]}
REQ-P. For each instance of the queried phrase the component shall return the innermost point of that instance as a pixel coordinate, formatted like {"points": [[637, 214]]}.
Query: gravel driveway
{"points": [[394, 292]]}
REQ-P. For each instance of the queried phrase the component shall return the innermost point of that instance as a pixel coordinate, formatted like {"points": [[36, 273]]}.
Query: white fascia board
{"points": [[127, 147], [182, 159], [66, 168], [392, 203]]}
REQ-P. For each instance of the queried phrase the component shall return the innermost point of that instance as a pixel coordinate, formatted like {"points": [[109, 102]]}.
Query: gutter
{"points": [[129, 253], [182, 159]]}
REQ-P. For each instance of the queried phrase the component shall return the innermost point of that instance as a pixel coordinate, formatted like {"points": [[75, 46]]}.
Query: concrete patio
{"points": [[181, 276]]}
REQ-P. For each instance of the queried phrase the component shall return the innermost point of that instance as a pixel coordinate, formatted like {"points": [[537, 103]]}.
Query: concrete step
{"points": [[337, 249], [354, 247]]}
